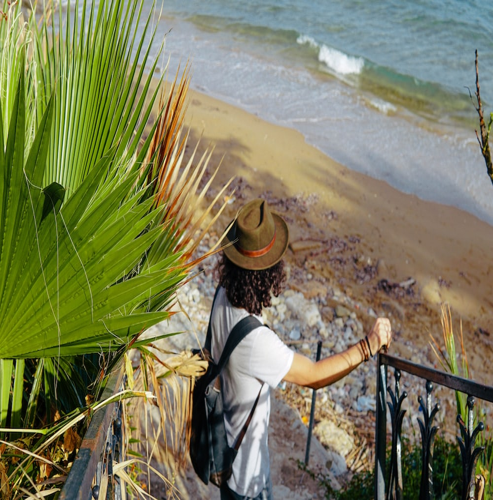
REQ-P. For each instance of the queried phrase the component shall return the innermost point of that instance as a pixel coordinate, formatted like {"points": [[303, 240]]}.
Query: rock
{"points": [[342, 312], [194, 296], [359, 326], [305, 349], [340, 345], [353, 393], [281, 491], [371, 386], [304, 310], [372, 313], [365, 403], [295, 333], [323, 333], [336, 464], [339, 322], [312, 315], [338, 408], [281, 311], [348, 334], [334, 437], [328, 313], [401, 350], [300, 246], [407, 283]]}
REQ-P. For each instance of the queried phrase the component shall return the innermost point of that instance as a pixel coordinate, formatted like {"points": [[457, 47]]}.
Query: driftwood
{"points": [[483, 140]]}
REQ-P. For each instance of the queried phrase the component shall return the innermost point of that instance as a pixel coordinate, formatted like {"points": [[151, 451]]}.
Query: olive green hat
{"points": [[260, 238]]}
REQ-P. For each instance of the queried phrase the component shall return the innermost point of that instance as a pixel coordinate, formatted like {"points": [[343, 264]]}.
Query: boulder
{"points": [[304, 310], [334, 438]]}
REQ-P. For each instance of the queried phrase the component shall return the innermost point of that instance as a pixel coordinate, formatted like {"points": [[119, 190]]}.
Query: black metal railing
{"points": [[91, 475], [389, 484]]}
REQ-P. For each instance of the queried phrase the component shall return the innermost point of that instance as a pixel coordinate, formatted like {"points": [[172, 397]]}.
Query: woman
{"points": [[249, 273]]}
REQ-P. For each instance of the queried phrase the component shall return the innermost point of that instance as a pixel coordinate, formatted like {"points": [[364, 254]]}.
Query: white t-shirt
{"points": [[261, 357]]}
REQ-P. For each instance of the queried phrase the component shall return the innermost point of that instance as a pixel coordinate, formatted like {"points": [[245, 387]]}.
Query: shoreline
{"points": [[436, 159]]}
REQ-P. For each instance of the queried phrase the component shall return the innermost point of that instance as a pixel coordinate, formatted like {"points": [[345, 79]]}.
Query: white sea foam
{"points": [[302, 39], [334, 59], [339, 62], [382, 106]]}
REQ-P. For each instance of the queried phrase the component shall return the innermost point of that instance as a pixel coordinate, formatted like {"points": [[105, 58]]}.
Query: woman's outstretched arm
{"points": [[307, 373]]}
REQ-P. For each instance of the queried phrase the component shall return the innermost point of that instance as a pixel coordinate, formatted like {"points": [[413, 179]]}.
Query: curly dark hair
{"points": [[250, 290]]}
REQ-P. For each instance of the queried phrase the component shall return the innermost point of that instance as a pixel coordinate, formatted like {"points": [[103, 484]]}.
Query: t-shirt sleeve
{"points": [[270, 358]]}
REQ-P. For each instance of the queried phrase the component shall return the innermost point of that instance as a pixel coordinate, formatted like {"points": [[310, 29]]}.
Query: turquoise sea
{"points": [[382, 86]]}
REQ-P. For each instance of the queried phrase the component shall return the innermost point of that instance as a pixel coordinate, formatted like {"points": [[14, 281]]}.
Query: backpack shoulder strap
{"points": [[248, 420], [238, 333], [208, 338]]}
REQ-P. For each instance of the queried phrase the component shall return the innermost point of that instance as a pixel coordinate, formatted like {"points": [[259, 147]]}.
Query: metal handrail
{"points": [[428, 431], [79, 483], [455, 382]]}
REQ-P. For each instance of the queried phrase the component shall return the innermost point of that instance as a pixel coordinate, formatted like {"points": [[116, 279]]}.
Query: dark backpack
{"points": [[212, 457]]}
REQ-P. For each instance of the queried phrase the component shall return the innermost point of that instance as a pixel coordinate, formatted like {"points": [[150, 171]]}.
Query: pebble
{"points": [[338, 408], [348, 334], [342, 312], [339, 322], [295, 334], [365, 403]]}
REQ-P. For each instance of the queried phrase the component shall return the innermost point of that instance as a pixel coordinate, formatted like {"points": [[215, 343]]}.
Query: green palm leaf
{"points": [[96, 70], [93, 230]]}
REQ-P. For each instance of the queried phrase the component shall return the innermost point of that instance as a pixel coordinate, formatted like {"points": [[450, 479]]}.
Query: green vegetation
{"points": [[99, 219], [448, 359], [447, 474]]}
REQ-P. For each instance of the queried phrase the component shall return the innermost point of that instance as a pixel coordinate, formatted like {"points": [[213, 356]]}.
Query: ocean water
{"points": [[382, 86]]}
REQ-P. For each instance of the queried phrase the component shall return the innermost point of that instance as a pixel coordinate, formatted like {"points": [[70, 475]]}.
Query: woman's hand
{"points": [[305, 372], [380, 335]]}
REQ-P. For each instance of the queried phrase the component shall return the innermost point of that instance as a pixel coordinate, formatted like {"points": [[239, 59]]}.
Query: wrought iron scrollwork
{"points": [[469, 452], [395, 488], [428, 433]]}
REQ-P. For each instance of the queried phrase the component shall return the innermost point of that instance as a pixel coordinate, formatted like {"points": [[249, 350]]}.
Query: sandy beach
{"points": [[400, 236]]}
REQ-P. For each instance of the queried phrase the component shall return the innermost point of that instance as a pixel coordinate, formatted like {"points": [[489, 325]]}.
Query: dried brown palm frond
{"points": [[176, 185], [161, 430], [121, 469]]}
